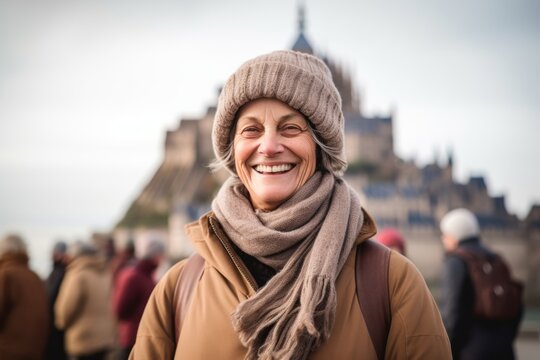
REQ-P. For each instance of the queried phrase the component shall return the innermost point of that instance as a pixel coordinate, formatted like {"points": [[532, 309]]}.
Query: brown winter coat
{"points": [[83, 307], [24, 311], [416, 330]]}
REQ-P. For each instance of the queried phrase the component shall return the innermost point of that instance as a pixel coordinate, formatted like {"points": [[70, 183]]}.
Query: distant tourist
{"points": [[83, 308], [24, 313], [132, 290], [55, 346], [393, 239], [275, 272], [481, 304], [125, 256]]}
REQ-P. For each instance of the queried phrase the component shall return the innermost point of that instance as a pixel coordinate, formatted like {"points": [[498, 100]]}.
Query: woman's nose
{"points": [[270, 144]]}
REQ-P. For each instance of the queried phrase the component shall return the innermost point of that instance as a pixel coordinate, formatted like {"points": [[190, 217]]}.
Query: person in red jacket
{"points": [[133, 288], [125, 257]]}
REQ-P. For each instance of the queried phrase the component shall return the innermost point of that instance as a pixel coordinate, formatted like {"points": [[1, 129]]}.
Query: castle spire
{"points": [[301, 44], [301, 18]]}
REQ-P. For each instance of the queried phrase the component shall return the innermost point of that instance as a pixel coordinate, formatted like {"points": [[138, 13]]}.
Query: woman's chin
{"points": [[271, 200]]}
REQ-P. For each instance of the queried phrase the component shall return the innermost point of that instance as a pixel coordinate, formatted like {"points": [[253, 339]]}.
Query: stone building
{"points": [[397, 192]]}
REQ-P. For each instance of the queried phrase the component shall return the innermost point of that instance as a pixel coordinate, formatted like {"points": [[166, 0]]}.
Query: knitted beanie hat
{"points": [[301, 81], [460, 224]]}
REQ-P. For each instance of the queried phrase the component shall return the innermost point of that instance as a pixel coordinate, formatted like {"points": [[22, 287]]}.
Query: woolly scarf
{"points": [[307, 240]]}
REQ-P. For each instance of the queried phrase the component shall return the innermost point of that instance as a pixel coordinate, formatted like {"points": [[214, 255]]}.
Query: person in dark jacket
{"points": [[470, 337], [55, 346], [133, 288], [24, 315]]}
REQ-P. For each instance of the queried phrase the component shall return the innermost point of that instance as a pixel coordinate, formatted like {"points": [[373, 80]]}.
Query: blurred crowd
{"points": [[89, 306]]}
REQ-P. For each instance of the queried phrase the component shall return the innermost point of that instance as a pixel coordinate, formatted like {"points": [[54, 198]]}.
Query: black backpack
{"points": [[496, 295]]}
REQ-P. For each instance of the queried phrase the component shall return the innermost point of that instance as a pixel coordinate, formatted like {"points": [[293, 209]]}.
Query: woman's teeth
{"points": [[273, 169]]}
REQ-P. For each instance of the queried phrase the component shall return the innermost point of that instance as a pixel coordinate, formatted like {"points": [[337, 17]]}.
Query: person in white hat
{"points": [[471, 337]]}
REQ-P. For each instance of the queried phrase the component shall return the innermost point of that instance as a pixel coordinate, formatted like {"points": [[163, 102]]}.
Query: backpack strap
{"points": [[187, 280], [465, 254], [372, 264]]}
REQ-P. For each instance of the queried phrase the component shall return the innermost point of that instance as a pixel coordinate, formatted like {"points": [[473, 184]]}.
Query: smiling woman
{"points": [[273, 151], [279, 246]]}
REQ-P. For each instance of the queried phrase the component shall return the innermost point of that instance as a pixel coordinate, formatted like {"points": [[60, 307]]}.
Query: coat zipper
{"points": [[239, 266]]}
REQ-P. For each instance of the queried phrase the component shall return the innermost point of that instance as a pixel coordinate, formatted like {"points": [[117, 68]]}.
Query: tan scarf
{"points": [[307, 239]]}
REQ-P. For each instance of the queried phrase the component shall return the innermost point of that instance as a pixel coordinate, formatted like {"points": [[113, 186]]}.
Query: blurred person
{"points": [[110, 251], [278, 248], [124, 257], [24, 316], [82, 308], [55, 346], [471, 336], [132, 290], [393, 239]]}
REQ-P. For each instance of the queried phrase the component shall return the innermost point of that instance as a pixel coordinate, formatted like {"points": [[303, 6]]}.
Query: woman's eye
{"points": [[291, 130], [250, 132]]}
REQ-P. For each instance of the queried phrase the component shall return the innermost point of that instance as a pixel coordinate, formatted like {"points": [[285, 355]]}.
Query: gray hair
{"points": [[329, 158], [12, 243]]}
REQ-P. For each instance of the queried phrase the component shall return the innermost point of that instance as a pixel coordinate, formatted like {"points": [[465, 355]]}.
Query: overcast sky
{"points": [[88, 89]]}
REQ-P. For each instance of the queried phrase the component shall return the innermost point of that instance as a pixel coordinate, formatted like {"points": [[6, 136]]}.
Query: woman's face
{"points": [[274, 152]]}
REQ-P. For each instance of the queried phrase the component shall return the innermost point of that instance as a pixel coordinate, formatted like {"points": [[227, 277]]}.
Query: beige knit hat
{"points": [[300, 80]]}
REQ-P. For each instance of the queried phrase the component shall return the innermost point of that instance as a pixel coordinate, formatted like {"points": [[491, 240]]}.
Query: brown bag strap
{"points": [[372, 263], [465, 254], [187, 280]]}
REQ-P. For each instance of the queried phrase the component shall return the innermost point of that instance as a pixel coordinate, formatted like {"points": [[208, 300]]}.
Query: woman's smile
{"points": [[273, 169]]}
